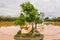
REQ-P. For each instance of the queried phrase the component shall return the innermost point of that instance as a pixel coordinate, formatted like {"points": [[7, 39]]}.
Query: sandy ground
{"points": [[50, 32]]}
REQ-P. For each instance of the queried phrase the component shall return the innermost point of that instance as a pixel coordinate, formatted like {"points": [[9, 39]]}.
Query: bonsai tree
{"points": [[30, 15]]}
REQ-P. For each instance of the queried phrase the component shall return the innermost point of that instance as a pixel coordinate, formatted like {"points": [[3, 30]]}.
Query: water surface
{"points": [[50, 32]]}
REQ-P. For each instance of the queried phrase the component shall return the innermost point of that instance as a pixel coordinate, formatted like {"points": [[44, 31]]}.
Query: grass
{"points": [[53, 23], [6, 24], [12, 24]]}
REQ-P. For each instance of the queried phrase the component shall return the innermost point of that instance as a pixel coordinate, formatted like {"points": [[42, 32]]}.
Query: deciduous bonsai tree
{"points": [[30, 15]]}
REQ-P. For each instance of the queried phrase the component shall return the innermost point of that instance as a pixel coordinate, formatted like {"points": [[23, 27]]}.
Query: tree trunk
{"points": [[19, 32], [32, 30], [35, 29], [35, 25]]}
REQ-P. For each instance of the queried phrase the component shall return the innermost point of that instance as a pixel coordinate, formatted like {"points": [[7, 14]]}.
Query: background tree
{"points": [[42, 15]]}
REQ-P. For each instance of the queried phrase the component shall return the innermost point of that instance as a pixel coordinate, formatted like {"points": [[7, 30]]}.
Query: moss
{"points": [[29, 35]]}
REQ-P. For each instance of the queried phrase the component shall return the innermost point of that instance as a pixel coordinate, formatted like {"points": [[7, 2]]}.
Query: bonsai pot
{"points": [[38, 38], [29, 38]]}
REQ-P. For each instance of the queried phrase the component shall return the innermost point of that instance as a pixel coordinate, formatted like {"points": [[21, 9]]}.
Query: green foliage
{"points": [[20, 20], [27, 7], [32, 14]]}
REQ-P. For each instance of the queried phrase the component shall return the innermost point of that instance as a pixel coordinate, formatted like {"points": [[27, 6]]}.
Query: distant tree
{"points": [[0, 18], [42, 15]]}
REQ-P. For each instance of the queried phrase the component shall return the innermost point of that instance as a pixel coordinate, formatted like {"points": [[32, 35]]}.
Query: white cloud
{"points": [[11, 7]]}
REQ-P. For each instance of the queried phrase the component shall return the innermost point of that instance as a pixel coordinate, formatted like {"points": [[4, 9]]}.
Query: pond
{"points": [[7, 33], [50, 32]]}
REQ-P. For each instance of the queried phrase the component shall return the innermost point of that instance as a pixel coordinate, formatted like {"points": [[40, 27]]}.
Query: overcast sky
{"points": [[49, 7]]}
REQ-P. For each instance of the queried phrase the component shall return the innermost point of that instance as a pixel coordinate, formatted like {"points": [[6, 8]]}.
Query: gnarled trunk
{"points": [[19, 32], [32, 27], [32, 30], [35, 25]]}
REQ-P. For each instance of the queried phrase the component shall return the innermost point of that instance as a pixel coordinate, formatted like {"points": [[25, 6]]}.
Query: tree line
{"points": [[7, 19], [11, 19], [47, 19]]}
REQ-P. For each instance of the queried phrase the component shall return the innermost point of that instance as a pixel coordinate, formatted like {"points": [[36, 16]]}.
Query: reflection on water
{"points": [[50, 32], [7, 33]]}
